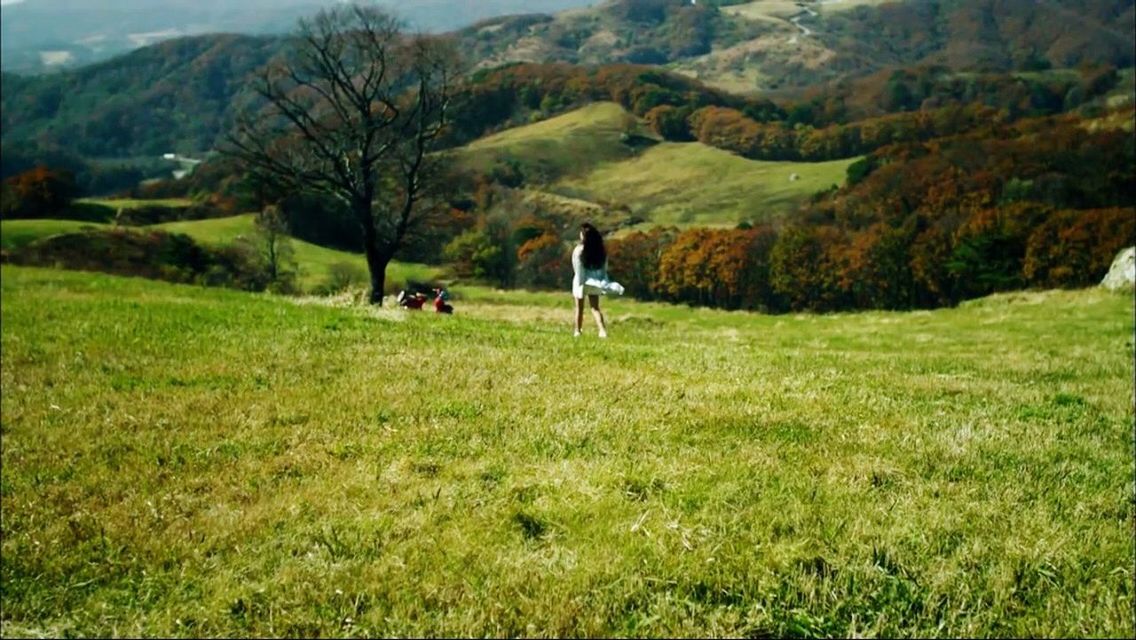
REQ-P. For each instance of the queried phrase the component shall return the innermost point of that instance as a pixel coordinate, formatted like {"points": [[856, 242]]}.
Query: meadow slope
{"points": [[692, 183], [581, 154], [570, 143], [181, 461], [314, 263]]}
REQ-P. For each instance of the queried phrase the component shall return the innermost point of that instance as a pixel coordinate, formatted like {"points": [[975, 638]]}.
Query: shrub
{"points": [[152, 254], [477, 254], [38, 193], [1076, 248], [543, 262], [670, 122], [342, 276]]}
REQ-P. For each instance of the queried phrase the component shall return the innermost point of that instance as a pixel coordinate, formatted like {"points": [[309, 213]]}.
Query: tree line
{"points": [[1042, 203], [841, 121], [1046, 203]]}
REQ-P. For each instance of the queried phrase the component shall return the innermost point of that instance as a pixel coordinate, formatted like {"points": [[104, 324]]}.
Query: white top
{"points": [[586, 281]]}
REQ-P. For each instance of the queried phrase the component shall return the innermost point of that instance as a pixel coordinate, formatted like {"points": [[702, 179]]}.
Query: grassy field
{"points": [[783, 9], [745, 80], [696, 183], [778, 10], [18, 233], [181, 461], [314, 262], [127, 203]]}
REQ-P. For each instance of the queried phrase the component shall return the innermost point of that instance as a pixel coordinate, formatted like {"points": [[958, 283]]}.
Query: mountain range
{"points": [[180, 94], [51, 35], [770, 44]]}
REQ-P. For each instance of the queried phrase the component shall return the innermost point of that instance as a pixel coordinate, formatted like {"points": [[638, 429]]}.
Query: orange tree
{"points": [[37, 193]]}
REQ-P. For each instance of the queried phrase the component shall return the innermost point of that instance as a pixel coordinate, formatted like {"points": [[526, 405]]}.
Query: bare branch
{"points": [[354, 111]]}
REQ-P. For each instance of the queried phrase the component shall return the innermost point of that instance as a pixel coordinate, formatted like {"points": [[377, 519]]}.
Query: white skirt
{"points": [[595, 287]]}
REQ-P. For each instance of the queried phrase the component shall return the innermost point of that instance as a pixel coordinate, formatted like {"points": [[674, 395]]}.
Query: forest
{"points": [[1041, 203]]}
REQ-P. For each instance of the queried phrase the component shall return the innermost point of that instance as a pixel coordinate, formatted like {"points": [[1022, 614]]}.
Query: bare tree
{"points": [[353, 110], [274, 246]]}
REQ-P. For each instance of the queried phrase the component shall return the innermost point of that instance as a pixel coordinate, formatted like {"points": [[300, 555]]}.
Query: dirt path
{"points": [[806, 12]]}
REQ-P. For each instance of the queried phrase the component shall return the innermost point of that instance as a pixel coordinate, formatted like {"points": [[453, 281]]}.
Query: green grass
{"points": [[697, 184], [314, 261], [128, 203], [18, 233], [766, 10], [579, 155], [181, 461], [741, 81], [571, 143], [212, 230]]}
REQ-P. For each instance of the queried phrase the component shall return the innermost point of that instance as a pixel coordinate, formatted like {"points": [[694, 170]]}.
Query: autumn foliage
{"points": [[37, 193], [907, 105], [1045, 203]]}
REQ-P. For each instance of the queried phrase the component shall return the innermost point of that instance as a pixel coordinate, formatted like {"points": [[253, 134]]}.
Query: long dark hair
{"points": [[595, 256]]}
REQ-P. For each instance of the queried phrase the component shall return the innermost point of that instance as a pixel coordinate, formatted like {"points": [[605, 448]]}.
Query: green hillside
{"points": [[685, 183], [692, 183], [315, 262], [115, 204], [757, 46], [47, 35], [18, 233], [182, 461], [571, 143], [174, 96]]}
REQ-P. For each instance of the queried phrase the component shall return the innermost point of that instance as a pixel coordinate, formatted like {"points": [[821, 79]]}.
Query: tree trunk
{"points": [[273, 269], [377, 257], [377, 263]]}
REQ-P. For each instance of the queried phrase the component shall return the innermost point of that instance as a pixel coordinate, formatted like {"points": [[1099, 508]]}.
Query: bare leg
{"points": [[594, 301], [579, 315]]}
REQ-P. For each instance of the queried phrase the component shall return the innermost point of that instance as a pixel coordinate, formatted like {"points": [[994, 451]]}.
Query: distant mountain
{"points": [[742, 46], [770, 44], [50, 35], [180, 95], [173, 96]]}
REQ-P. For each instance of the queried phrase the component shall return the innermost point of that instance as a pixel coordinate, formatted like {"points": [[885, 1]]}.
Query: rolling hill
{"points": [[584, 155], [53, 35], [315, 262], [181, 95], [774, 44], [15, 234], [571, 143], [692, 183], [176, 96]]}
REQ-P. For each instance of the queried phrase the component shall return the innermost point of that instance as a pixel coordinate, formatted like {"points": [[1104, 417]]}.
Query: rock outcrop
{"points": [[1122, 274]]}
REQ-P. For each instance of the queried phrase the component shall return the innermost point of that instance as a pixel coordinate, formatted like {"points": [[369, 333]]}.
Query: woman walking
{"points": [[589, 267]]}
